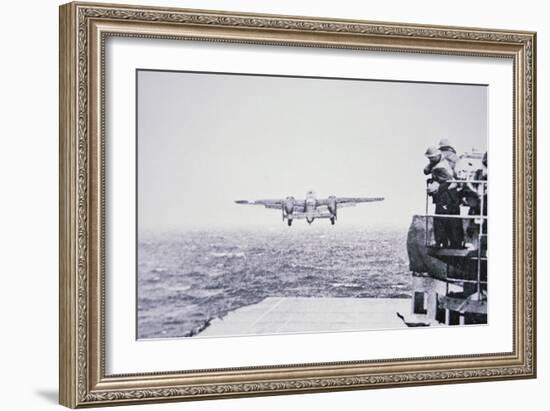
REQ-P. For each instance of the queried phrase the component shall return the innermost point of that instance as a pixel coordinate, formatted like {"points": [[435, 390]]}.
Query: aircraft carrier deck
{"points": [[277, 315]]}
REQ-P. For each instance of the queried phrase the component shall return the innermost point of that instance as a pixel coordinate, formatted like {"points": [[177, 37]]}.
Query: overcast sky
{"points": [[205, 140]]}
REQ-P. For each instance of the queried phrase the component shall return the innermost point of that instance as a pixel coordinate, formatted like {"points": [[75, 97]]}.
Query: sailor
{"points": [[434, 157], [448, 232], [481, 175], [474, 195], [448, 152]]}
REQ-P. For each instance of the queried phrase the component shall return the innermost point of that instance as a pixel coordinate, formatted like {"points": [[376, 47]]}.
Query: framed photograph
{"points": [[260, 204]]}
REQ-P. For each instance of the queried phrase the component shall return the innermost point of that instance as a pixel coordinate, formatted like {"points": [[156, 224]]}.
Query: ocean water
{"points": [[186, 279]]}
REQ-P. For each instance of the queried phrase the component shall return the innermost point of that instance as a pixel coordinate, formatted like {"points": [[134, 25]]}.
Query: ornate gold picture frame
{"points": [[84, 30]]}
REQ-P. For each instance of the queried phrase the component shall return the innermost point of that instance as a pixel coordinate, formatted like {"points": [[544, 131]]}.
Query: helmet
{"points": [[432, 152], [445, 142]]}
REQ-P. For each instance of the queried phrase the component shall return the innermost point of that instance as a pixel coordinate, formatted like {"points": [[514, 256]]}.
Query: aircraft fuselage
{"points": [[310, 206]]}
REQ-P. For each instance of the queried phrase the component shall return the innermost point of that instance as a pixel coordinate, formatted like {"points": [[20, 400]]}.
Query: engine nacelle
{"points": [[288, 206], [332, 205]]}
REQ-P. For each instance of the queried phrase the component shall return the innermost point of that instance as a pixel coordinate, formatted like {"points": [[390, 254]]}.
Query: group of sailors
{"points": [[450, 189]]}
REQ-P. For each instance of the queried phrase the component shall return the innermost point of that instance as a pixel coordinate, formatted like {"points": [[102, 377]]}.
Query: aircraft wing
{"points": [[266, 203], [347, 201], [273, 203]]}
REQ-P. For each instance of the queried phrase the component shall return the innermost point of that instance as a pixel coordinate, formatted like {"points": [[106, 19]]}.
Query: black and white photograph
{"points": [[275, 205], [279, 204]]}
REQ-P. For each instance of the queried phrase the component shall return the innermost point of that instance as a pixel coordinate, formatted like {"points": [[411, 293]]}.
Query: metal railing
{"points": [[481, 217]]}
